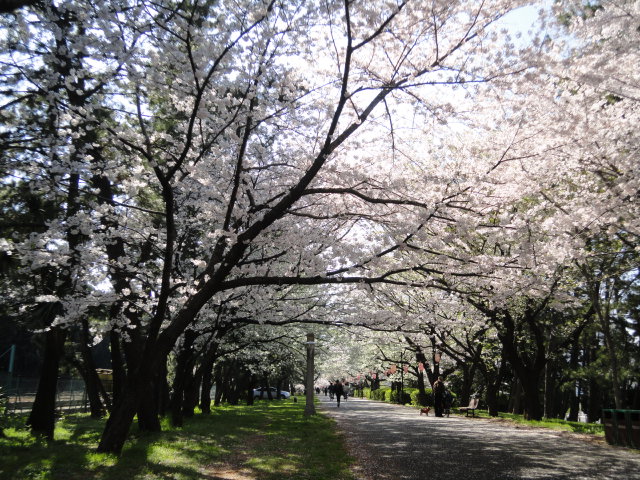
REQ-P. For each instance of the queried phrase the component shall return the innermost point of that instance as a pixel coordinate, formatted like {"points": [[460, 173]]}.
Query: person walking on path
{"points": [[338, 389], [438, 396]]}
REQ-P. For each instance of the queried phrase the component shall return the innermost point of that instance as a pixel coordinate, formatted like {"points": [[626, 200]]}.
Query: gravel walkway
{"points": [[395, 442]]}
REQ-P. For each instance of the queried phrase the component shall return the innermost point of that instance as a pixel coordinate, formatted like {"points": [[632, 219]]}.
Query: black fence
{"points": [[622, 427], [20, 392]]}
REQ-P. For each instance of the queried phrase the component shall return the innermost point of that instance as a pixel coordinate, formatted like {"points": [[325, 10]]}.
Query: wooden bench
{"points": [[472, 407]]}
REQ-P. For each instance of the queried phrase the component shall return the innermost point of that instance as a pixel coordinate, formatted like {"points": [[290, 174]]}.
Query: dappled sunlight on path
{"points": [[396, 442]]}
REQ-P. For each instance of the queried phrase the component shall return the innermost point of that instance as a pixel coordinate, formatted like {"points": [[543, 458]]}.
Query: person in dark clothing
{"points": [[338, 389], [447, 402], [438, 396]]}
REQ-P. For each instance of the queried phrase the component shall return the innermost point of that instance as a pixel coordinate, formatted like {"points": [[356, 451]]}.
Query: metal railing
{"points": [[20, 393]]}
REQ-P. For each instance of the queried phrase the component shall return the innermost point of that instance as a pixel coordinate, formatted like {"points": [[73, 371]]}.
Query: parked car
{"points": [[262, 393]]}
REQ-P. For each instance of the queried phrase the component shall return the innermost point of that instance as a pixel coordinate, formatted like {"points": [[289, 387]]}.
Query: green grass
{"points": [[267, 441], [553, 423]]}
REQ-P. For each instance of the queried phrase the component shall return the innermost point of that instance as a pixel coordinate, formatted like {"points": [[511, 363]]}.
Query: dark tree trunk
{"points": [[421, 358], [162, 389], [531, 390], [148, 419], [219, 386], [515, 400], [574, 406], [96, 408], [492, 399], [205, 391], [118, 371], [191, 393], [42, 416], [574, 400], [117, 427], [467, 384], [250, 386], [205, 372], [89, 374], [549, 393], [175, 404], [494, 382], [250, 394]]}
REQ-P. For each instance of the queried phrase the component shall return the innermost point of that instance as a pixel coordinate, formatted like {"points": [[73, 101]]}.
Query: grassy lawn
{"points": [[270, 440], [596, 429]]}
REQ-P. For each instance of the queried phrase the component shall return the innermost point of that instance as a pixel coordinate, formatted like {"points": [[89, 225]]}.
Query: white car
{"points": [[262, 393]]}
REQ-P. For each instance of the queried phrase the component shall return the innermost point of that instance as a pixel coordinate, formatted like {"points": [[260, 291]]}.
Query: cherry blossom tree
{"points": [[211, 148], [207, 156]]}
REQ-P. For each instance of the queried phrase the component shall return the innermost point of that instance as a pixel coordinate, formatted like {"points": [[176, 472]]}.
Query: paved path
{"points": [[397, 443]]}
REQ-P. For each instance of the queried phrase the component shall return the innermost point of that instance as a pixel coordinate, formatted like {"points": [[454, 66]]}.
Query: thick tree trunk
{"points": [[184, 368], [515, 399], [205, 372], [119, 422], [493, 383], [492, 399], [219, 386], [148, 419], [162, 389], [574, 400], [96, 408], [118, 371], [135, 398], [205, 392], [88, 371], [467, 384], [42, 416], [531, 390], [614, 364], [191, 393]]}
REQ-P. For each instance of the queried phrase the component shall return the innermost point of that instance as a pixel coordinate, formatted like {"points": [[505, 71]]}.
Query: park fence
{"points": [[622, 427], [20, 392]]}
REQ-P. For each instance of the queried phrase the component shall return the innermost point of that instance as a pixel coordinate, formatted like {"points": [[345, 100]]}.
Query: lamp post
{"points": [[437, 356], [309, 408], [401, 378]]}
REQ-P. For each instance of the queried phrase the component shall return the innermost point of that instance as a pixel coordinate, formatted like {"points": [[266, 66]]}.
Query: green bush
{"points": [[381, 394], [422, 400], [406, 396]]}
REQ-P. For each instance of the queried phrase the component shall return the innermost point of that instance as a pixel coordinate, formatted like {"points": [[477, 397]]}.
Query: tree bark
{"points": [[205, 392], [88, 370], [118, 372], [117, 427], [181, 379], [42, 416]]}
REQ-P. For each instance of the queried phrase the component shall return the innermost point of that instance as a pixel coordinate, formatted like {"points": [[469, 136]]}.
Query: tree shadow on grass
{"points": [[265, 442]]}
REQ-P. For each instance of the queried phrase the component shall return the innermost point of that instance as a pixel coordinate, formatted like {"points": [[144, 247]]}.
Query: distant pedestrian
{"points": [[338, 389]]}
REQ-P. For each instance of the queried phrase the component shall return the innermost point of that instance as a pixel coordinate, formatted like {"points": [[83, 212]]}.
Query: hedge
{"points": [[410, 396]]}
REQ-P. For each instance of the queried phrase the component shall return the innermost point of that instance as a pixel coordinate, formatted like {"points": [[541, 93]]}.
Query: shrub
{"points": [[406, 396], [422, 400], [382, 394]]}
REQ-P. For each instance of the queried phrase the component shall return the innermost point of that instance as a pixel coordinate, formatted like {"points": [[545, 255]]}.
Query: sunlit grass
{"points": [[552, 423], [267, 441]]}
